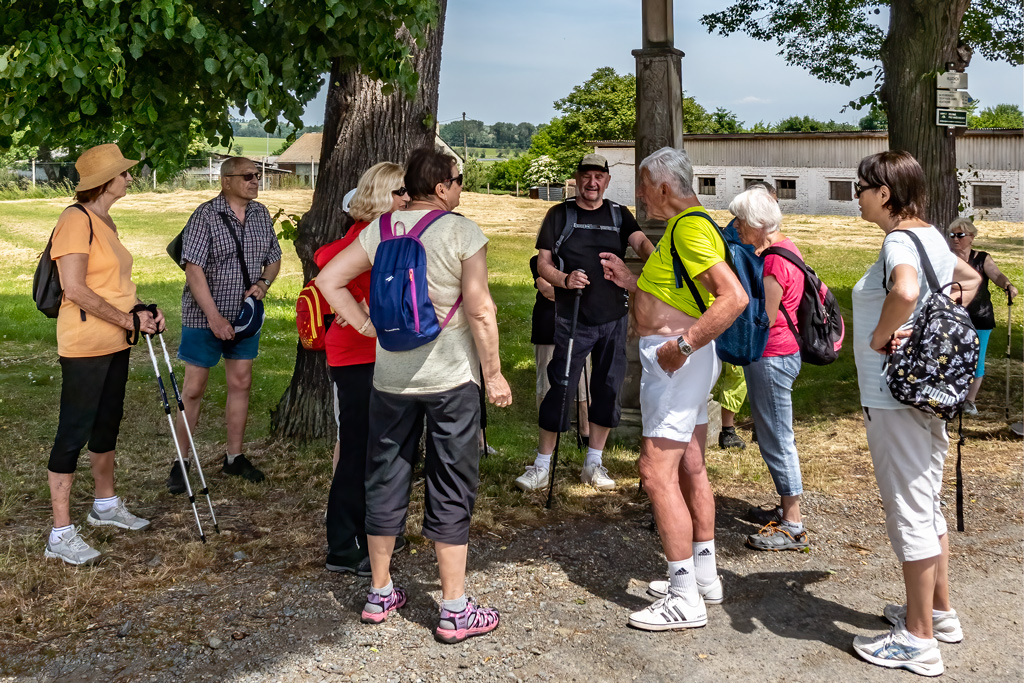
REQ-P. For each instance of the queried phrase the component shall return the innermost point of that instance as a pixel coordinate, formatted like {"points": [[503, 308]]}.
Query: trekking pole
{"points": [[1009, 342], [565, 381], [174, 435], [188, 431]]}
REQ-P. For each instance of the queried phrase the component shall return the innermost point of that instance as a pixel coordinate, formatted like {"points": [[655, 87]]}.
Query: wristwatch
{"points": [[265, 281], [684, 346]]}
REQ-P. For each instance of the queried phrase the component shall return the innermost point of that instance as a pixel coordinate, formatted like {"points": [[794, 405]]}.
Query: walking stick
{"points": [[174, 436], [565, 381], [1009, 341], [188, 431]]}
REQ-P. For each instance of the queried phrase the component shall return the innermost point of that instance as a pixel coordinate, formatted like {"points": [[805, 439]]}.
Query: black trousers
{"points": [[346, 505], [91, 407]]}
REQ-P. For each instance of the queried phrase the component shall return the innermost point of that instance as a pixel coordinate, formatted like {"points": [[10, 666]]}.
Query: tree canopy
{"points": [[143, 73], [999, 116]]}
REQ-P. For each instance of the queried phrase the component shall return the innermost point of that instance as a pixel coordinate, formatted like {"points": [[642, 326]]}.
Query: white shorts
{"points": [[672, 405], [908, 450]]}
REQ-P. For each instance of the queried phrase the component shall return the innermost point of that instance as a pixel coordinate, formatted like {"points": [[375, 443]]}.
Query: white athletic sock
{"points": [[56, 532], [593, 457], [456, 605], [704, 562], [386, 590], [939, 613], [543, 461], [682, 579], [793, 527], [915, 640], [104, 504], [231, 458]]}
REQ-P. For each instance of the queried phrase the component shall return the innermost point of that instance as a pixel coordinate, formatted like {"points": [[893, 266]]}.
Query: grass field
{"points": [[252, 146], [47, 598]]}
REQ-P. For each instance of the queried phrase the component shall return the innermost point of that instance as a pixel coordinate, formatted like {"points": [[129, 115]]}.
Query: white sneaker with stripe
{"points": [[670, 613]]}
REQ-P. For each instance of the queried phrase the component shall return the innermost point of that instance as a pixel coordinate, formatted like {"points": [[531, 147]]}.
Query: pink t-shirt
{"points": [[781, 341]]}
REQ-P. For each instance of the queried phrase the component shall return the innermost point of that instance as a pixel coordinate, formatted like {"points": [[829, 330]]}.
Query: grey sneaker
{"points": [[970, 408], [774, 536], [534, 478], [72, 549], [116, 516], [893, 650], [597, 476], [945, 628]]}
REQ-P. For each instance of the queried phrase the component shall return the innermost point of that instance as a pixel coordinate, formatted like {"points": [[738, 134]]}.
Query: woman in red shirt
{"points": [[350, 359], [770, 378]]}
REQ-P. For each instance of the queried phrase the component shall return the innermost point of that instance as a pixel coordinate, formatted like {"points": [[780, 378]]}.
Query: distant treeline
{"points": [[252, 128], [479, 134]]}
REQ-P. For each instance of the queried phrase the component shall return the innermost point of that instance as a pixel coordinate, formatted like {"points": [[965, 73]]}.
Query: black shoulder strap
{"points": [[616, 214], [680, 270], [570, 224], [83, 210], [929, 272], [798, 262], [238, 250]]}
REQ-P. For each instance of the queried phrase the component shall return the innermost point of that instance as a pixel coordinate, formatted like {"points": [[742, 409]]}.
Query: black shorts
{"points": [[91, 407], [452, 467]]}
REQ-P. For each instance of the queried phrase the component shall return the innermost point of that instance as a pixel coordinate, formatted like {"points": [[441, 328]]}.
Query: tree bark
{"points": [[362, 127], [923, 36]]}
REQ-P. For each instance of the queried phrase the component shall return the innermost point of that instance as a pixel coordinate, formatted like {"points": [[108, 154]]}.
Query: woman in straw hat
{"points": [[98, 309]]}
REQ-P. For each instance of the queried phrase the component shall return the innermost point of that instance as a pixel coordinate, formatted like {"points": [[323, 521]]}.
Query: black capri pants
{"points": [[91, 407], [452, 466]]}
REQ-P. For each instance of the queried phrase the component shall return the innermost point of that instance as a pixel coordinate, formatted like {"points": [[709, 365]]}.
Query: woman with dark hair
{"points": [[908, 447], [439, 380], [97, 310], [350, 358]]}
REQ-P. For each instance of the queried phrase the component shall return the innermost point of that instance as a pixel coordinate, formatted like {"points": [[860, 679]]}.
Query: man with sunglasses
{"points": [[224, 235]]}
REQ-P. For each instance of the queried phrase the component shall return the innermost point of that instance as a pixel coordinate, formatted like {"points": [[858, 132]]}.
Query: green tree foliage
{"points": [[141, 72], [504, 175], [806, 124], [875, 119], [999, 116], [474, 175]]}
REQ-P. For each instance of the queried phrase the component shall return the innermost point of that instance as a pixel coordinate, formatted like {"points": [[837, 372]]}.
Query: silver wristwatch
{"points": [[265, 281], [684, 346]]}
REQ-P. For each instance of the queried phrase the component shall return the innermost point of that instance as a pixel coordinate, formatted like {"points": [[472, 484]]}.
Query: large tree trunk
{"points": [[362, 127], [923, 36]]}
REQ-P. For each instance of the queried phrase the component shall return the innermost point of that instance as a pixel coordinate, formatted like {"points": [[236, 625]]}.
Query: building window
{"points": [[840, 190], [707, 186], [747, 182], [988, 196], [786, 188]]}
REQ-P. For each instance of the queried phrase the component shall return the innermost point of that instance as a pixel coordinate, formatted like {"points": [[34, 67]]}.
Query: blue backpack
{"points": [[400, 305], [744, 341]]}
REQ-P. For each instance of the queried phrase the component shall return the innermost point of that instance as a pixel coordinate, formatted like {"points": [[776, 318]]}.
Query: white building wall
{"points": [[622, 168]]}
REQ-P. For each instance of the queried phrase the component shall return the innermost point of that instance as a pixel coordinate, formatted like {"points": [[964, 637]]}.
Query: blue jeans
{"points": [[770, 391]]}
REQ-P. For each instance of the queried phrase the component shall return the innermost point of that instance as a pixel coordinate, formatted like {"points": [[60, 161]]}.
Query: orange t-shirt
{"points": [[109, 275]]}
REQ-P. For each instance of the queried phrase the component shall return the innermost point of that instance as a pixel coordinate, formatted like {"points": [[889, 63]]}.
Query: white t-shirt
{"points": [[869, 294], [451, 359]]}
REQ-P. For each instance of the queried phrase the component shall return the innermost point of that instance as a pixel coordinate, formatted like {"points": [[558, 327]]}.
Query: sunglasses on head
{"points": [[247, 177], [957, 235], [400, 192], [457, 179], [858, 189]]}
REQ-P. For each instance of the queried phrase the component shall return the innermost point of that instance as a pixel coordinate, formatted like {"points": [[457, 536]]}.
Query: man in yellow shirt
{"points": [[677, 354]]}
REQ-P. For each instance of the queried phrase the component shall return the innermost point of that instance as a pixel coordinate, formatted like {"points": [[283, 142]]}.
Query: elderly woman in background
{"points": [[770, 378], [961, 237], [99, 307], [441, 380], [908, 446], [350, 360]]}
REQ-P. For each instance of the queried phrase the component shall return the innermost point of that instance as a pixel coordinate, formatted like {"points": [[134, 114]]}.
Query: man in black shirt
{"points": [[569, 245]]}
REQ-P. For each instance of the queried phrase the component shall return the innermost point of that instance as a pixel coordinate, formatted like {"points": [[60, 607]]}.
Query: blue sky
{"points": [[509, 61]]}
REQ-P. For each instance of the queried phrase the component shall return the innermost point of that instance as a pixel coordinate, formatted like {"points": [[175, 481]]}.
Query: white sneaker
{"points": [[597, 476], [945, 628], [535, 478], [670, 613], [970, 408], [116, 516], [712, 593], [893, 650], [72, 549]]}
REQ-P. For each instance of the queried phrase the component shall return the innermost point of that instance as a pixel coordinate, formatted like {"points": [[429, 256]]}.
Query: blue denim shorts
{"points": [[200, 347]]}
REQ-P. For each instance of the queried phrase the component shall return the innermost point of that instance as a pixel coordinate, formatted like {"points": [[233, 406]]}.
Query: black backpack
{"points": [[570, 225], [46, 288], [933, 369], [820, 328]]}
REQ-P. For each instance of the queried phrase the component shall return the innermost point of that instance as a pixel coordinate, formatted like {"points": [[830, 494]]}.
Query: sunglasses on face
{"points": [[957, 235], [400, 192], [858, 189], [457, 179], [247, 177]]}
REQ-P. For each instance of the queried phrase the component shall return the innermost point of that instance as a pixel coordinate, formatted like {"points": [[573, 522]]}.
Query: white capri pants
{"points": [[908, 449], [672, 405]]}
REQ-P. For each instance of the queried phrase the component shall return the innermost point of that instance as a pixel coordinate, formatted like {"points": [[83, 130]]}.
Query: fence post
{"points": [[517, 188], [263, 178], [312, 174], [488, 188], [33, 174], [210, 164], [154, 178]]}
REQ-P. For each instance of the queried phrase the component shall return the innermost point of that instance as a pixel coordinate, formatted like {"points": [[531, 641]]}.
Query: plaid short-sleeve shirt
{"points": [[207, 243]]}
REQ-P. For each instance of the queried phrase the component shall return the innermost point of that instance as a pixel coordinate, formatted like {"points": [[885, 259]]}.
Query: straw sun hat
{"points": [[100, 164]]}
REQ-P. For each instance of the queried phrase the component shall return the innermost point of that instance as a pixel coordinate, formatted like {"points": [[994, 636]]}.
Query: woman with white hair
{"points": [[961, 234], [770, 378]]}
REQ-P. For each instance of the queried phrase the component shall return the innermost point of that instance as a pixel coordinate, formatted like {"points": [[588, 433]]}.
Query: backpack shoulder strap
{"points": [[424, 223], [725, 242], [929, 272], [786, 254], [81, 208], [570, 224], [680, 273], [386, 230], [616, 214]]}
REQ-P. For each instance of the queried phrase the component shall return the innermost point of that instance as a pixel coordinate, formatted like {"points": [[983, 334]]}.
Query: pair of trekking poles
{"points": [[565, 381], [174, 435]]}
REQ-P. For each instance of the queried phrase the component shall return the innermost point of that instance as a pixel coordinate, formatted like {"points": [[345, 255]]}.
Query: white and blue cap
{"points": [[347, 199], [250, 318]]}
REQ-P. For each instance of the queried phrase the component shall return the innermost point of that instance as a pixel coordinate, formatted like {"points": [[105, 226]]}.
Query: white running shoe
{"points": [[670, 613], [72, 549], [945, 628], [116, 516], [893, 650], [712, 593], [597, 476], [534, 479]]}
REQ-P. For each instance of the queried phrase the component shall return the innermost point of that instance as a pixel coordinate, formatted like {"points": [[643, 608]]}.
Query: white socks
{"points": [[793, 527], [104, 504], [231, 458], [543, 461], [682, 579], [56, 533], [456, 605], [385, 591], [593, 457], [704, 562]]}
